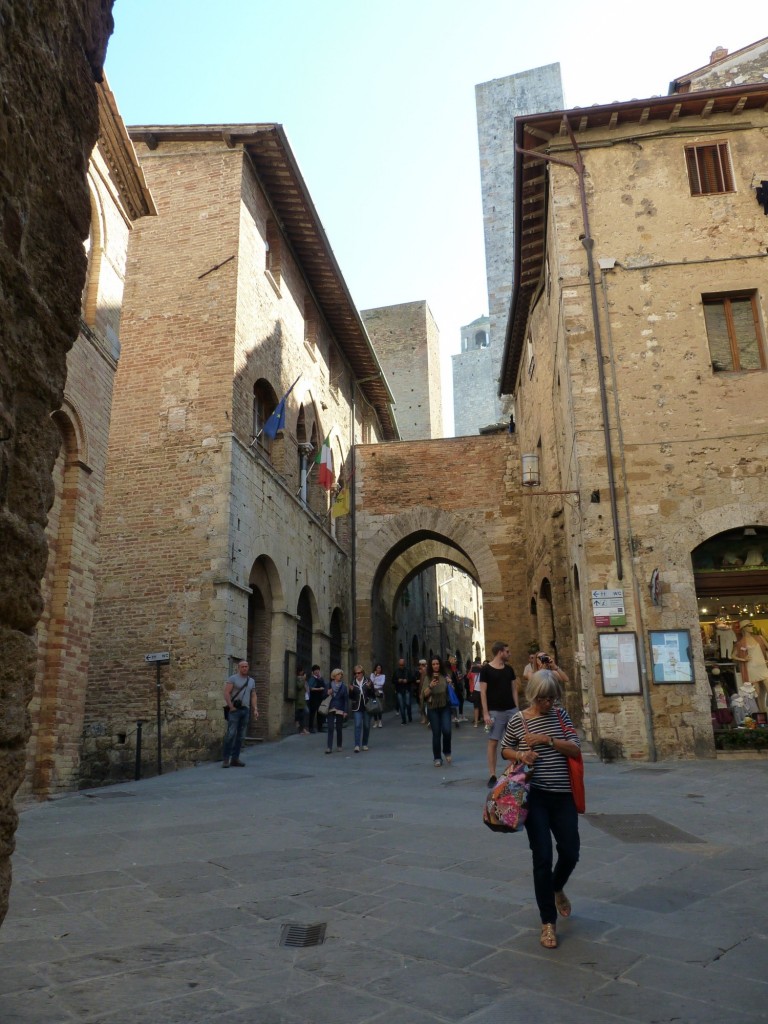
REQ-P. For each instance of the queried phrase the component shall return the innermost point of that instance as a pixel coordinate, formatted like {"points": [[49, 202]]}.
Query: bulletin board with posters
{"points": [[619, 663], [671, 656]]}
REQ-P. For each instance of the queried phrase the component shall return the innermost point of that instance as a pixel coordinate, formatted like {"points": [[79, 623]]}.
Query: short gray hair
{"points": [[543, 683]]}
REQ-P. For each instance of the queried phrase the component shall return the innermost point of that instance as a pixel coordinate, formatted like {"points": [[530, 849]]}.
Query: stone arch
{"points": [[265, 600], [709, 523], [95, 246], [403, 546], [58, 701]]}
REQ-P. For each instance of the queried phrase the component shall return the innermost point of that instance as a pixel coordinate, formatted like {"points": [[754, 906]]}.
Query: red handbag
{"points": [[575, 769]]}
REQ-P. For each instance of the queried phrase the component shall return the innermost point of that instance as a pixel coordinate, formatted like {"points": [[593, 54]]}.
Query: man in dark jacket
{"points": [[403, 680]]}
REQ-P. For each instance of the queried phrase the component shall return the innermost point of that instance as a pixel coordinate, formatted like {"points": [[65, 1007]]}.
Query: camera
{"points": [[545, 659], [237, 704]]}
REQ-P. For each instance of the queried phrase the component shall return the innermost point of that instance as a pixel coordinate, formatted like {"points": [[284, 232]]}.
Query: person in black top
{"points": [[498, 696], [403, 680]]}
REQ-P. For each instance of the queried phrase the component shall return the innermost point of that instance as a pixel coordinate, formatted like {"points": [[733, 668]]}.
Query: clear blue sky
{"points": [[378, 101]]}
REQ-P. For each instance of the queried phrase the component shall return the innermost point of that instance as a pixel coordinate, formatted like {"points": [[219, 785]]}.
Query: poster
{"points": [[671, 656], [619, 663]]}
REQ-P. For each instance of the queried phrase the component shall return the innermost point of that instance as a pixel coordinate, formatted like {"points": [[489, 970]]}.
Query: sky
{"points": [[377, 98]]}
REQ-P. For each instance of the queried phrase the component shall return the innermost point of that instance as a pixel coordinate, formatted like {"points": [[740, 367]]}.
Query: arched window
{"points": [[481, 339], [264, 404]]}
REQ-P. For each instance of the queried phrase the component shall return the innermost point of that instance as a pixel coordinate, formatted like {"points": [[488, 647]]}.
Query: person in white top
{"points": [[378, 679]]}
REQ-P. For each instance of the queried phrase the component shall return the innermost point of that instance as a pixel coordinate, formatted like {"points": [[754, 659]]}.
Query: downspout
{"points": [[353, 514], [588, 242]]}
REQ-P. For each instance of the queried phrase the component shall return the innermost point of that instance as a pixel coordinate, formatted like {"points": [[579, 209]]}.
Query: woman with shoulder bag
{"points": [[378, 679], [544, 737], [337, 709], [435, 700], [360, 691]]}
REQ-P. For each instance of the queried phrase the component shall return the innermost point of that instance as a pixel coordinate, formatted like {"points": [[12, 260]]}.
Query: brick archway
{"points": [[440, 500]]}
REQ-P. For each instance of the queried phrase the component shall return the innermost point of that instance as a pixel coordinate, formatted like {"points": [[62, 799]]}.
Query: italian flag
{"points": [[324, 463]]}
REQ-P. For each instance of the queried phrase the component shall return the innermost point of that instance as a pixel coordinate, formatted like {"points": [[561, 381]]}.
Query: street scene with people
{"points": [[383, 519]]}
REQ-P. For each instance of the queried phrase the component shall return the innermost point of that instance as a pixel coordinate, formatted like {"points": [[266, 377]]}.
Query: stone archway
{"points": [[447, 502]]}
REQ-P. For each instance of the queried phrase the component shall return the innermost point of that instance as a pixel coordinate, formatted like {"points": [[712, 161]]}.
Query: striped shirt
{"points": [[551, 768]]}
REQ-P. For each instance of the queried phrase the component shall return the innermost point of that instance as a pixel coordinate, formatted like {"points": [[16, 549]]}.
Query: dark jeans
{"points": [[440, 720], [404, 705], [337, 721], [314, 704], [237, 723], [362, 727], [551, 814]]}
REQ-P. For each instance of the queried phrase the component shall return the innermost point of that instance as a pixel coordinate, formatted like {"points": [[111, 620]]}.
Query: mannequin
{"points": [[726, 638], [750, 653]]}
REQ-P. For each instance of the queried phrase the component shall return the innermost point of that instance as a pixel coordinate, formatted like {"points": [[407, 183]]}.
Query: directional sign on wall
{"points": [[608, 608]]}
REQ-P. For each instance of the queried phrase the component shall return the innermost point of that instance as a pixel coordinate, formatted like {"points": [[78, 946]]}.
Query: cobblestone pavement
{"points": [[165, 900]]}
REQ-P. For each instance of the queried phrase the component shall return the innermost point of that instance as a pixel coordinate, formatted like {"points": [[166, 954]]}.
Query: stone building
{"points": [[119, 197], [636, 354], [45, 217], [476, 402], [407, 342], [218, 540], [497, 104]]}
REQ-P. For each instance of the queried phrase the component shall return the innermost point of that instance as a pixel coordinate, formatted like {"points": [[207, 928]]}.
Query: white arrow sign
{"points": [[162, 656]]}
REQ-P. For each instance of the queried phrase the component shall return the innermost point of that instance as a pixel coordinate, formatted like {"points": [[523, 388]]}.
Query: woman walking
{"points": [[435, 699], [360, 691], [338, 708], [543, 736], [378, 679]]}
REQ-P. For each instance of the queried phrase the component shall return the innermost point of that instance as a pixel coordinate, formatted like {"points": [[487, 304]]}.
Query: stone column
{"points": [[50, 53]]}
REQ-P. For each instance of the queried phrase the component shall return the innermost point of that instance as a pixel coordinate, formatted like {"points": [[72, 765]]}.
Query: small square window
{"points": [[709, 169], [733, 329]]}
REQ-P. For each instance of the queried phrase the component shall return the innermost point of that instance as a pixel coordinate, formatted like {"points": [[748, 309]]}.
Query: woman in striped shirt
{"points": [[543, 736]]}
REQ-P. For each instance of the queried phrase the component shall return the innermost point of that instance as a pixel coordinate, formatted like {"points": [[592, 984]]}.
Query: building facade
{"points": [[407, 342], [476, 401], [119, 198], [218, 542], [636, 356]]}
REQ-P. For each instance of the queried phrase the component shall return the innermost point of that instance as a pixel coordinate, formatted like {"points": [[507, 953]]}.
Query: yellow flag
{"points": [[340, 507]]}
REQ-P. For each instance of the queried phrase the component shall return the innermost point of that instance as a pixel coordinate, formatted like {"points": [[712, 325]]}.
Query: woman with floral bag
{"points": [[544, 737]]}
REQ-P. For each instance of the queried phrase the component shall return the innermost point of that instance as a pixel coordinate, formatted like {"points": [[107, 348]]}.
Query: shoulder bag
{"points": [[325, 706], [575, 768], [506, 805], [373, 706]]}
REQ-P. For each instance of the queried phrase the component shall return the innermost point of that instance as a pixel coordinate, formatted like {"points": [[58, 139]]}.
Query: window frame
{"points": [[724, 299], [698, 172]]}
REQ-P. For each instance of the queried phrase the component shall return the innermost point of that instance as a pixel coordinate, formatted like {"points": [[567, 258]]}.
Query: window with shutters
{"points": [[734, 332], [709, 169]]}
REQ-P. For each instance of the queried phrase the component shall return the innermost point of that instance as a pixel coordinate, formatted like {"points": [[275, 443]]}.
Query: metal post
{"points": [[137, 772], [159, 726]]}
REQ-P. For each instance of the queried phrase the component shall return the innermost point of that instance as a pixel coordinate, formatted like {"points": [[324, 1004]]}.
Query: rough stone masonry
{"points": [[51, 51]]}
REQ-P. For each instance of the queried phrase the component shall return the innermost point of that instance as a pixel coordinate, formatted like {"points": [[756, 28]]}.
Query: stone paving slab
{"points": [[149, 903]]}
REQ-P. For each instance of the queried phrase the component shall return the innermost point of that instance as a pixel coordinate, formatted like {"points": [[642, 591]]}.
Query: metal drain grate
{"points": [[640, 828], [105, 796], [287, 776], [299, 936], [648, 771], [379, 817]]}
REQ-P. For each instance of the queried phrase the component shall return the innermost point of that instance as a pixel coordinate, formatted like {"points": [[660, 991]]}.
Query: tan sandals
{"points": [[548, 937], [563, 904]]}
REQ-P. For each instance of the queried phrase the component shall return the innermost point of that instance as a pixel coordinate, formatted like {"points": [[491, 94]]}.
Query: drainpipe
{"points": [[352, 512], [588, 242]]}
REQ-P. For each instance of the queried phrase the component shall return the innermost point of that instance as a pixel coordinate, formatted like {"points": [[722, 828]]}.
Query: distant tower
{"points": [[407, 344], [498, 103], [475, 373]]}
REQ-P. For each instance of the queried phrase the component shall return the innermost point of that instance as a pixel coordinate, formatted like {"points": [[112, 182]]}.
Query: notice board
{"points": [[619, 663]]}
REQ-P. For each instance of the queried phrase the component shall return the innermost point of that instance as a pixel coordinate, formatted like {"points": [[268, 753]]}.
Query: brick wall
{"points": [[456, 499]]}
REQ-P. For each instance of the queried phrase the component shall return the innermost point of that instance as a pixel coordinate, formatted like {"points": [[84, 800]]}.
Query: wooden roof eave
{"points": [[273, 161]]}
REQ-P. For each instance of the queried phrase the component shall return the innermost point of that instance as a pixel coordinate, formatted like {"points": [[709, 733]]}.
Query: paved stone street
{"points": [[164, 901]]}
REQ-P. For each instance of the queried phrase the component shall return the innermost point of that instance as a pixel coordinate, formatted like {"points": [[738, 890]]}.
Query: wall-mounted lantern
{"points": [[531, 474]]}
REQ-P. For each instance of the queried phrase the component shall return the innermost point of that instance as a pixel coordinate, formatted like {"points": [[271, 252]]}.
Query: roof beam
{"points": [[707, 108]]}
